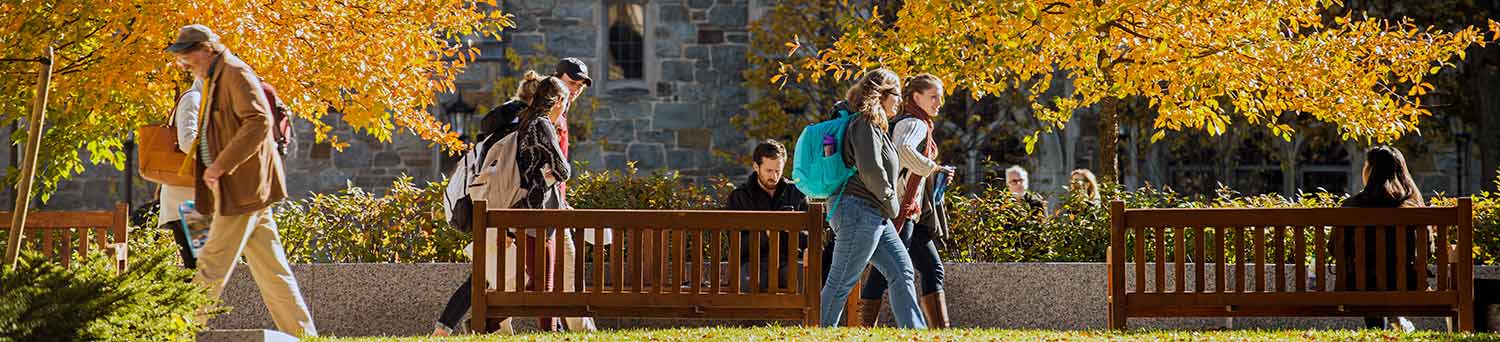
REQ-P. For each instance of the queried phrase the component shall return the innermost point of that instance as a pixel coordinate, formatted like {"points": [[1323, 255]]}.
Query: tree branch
{"points": [[1048, 8]]}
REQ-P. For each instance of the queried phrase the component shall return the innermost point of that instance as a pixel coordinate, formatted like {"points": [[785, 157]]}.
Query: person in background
{"points": [[185, 120], [1083, 184], [239, 176], [1017, 181], [767, 190], [1387, 184], [863, 211], [917, 223], [1083, 195]]}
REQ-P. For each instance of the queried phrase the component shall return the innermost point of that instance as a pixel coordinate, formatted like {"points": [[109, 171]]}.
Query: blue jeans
{"points": [[862, 237], [924, 255]]}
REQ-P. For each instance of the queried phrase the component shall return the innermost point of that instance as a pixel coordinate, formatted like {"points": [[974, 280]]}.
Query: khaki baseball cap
{"points": [[190, 35]]}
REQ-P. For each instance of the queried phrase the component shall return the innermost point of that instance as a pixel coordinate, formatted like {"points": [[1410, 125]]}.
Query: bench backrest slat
{"points": [[671, 257], [59, 235], [1264, 217], [1361, 249], [654, 219]]}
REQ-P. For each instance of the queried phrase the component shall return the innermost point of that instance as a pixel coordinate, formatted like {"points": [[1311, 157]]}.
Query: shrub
{"points": [[151, 301], [628, 189], [1486, 224], [405, 224]]}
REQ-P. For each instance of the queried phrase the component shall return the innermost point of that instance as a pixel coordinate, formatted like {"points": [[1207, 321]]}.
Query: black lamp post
{"points": [[460, 115]]}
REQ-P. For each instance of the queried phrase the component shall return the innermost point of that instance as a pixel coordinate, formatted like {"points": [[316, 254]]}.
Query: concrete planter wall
{"points": [[404, 299]]}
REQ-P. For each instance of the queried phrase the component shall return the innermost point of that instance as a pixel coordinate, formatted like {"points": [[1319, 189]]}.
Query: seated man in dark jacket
{"points": [[767, 190]]}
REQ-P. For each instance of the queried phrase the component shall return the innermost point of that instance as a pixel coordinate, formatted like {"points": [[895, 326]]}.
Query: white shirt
{"points": [[185, 117]]}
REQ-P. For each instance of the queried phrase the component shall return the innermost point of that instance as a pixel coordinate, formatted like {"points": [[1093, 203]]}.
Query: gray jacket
{"points": [[876, 166]]}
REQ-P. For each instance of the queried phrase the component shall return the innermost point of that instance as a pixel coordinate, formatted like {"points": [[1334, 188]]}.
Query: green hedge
{"points": [[987, 225], [405, 224]]}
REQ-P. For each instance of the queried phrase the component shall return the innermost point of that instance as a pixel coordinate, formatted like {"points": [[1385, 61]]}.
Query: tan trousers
{"points": [[254, 235]]}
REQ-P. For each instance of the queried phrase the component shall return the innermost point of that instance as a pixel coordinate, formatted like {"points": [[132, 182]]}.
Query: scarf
{"points": [[911, 108]]}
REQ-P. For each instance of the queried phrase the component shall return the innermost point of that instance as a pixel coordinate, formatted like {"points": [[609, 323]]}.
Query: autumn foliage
{"points": [[1200, 64], [378, 64]]}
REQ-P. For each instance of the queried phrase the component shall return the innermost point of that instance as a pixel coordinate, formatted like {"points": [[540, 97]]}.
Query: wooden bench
{"points": [[661, 264], [65, 235], [1229, 278]]}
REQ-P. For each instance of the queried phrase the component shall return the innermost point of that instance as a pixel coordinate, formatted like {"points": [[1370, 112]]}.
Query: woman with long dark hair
{"points": [[1388, 184], [862, 213], [496, 124], [540, 159]]}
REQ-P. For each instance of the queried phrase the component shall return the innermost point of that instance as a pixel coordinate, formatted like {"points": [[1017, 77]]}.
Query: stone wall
{"points": [[675, 117], [362, 300]]}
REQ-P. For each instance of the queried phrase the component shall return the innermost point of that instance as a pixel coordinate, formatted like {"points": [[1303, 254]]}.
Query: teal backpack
{"points": [[818, 166]]}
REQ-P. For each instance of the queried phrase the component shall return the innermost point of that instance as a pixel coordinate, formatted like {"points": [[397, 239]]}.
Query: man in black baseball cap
{"points": [[576, 74]]}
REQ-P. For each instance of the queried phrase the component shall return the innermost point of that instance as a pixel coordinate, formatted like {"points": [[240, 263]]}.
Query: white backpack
{"points": [[499, 179]]}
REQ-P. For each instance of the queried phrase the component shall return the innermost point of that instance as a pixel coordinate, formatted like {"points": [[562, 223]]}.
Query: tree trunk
{"points": [[1485, 106], [28, 163], [1356, 180], [1289, 166], [1109, 140]]}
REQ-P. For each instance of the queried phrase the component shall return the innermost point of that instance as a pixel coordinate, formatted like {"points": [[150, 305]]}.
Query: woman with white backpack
{"points": [[542, 165], [496, 124]]}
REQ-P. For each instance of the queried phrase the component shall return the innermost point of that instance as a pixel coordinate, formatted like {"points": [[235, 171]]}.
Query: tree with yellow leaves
{"points": [[379, 64], [1199, 64]]}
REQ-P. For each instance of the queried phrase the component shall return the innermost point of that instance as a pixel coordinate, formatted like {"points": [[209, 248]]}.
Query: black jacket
{"points": [[751, 197]]}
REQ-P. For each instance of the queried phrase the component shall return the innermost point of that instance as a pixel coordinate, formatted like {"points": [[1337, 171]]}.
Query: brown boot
{"points": [[935, 307], [869, 312]]}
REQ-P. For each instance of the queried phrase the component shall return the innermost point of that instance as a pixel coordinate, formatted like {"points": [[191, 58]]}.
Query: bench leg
{"points": [[1116, 317], [1465, 318]]}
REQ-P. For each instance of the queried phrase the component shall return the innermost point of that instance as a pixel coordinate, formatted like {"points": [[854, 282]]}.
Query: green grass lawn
{"points": [[805, 334]]}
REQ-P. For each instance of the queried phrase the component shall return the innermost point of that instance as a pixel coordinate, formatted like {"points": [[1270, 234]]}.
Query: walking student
{"points": [[496, 124], [575, 75], [540, 159], [917, 223], [171, 197], [863, 212], [239, 175]]}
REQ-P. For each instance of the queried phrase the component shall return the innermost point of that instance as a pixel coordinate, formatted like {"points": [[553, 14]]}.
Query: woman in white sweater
{"points": [[185, 118]]}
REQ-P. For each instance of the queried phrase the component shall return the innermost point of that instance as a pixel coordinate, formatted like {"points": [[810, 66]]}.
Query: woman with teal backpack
{"points": [[863, 208], [918, 223]]}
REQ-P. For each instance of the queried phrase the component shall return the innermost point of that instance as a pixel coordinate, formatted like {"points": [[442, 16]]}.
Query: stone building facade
{"points": [[667, 77]]}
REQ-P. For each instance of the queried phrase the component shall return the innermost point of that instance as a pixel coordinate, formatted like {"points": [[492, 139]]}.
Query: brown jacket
{"points": [[236, 121]]}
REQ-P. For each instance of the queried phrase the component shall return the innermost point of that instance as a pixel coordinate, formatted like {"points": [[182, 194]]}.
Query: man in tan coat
{"points": [[239, 175]]}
